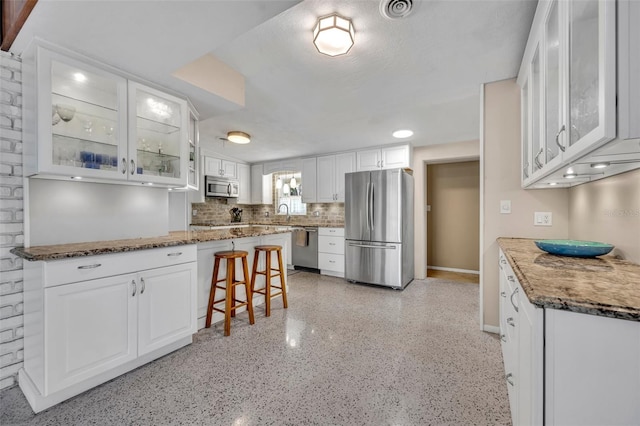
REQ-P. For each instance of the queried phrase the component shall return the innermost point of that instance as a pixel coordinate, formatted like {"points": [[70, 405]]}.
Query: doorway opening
{"points": [[453, 221]]}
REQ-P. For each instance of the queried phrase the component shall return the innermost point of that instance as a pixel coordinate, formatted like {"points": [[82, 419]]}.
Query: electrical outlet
{"points": [[194, 212], [316, 213], [542, 219], [505, 206]]}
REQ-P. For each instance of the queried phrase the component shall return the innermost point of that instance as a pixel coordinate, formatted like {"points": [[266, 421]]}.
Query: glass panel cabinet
{"points": [[92, 123], [567, 82], [158, 147]]}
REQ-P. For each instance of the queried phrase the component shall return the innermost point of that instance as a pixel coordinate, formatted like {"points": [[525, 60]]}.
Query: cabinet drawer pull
{"points": [[508, 378], [503, 261], [511, 298], [177, 253], [503, 337], [503, 294], [511, 322], [510, 278], [133, 167], [332, 244], [124, 166], [557, 138], [133, 283], [143, 285], [332, 261], [95, 265]]}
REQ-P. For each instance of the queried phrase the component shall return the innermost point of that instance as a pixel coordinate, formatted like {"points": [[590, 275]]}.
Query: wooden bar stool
{"points": [[230, 288], [268, 274]]}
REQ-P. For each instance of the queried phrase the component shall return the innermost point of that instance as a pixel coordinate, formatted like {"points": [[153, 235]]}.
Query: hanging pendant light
{"points": [[278, 183], [293, 182]]}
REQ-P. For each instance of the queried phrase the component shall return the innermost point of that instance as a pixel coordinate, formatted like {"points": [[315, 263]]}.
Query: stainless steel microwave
{"points": [[220, 187]]}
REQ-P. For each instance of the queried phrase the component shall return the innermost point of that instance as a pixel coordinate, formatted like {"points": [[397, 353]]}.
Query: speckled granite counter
{"points": [[602, 286], [265, 223], [64, 251]]}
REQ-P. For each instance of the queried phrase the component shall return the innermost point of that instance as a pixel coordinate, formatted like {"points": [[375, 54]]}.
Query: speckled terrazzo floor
{"points": [[342, 354]]}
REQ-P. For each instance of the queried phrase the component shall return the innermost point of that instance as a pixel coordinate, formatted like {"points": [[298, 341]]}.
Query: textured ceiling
{"points": [[422, 72]]}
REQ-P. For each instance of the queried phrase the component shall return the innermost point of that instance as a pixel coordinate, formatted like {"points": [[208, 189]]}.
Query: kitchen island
{"points": [[570, 336]]}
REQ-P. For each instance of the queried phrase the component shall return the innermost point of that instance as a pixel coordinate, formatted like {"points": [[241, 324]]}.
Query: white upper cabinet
{"points": [[261, 186], [568, 85], [158, 136], [193, 181], [383, 158], [330, 173], [244, 178], [89, 122], [218, 167], [309, 178]]}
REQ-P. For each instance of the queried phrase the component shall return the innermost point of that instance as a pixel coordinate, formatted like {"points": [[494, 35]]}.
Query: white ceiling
{"points": [[422, 72]]}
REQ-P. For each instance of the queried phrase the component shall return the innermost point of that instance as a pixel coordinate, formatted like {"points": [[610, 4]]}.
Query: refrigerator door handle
{"points": [[370, 202], [368, 207], [372, 246]]}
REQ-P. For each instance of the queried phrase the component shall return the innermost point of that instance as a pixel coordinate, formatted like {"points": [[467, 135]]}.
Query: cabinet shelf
{"points": [[154, 126]]}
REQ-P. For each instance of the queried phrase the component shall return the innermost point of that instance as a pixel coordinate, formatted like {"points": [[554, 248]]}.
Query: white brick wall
{"points": [[11, 220]]}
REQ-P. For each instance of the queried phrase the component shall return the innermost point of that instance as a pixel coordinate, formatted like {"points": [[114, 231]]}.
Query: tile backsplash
{"points": [[216, 211]]}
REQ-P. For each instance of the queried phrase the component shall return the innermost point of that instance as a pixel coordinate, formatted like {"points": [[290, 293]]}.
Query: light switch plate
{"points": [[505, 206], [194, 212], [542, 219]]}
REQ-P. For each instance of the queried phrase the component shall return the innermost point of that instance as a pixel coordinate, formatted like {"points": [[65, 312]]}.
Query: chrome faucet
{"points": [[287, 210]]}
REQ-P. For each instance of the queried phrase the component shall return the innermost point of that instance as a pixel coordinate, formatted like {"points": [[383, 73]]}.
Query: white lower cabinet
{"points": [[82, 332], [331, 251], [566, 368]]}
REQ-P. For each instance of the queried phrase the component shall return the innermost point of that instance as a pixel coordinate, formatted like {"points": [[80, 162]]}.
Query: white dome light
{"points": [[402, 134]]}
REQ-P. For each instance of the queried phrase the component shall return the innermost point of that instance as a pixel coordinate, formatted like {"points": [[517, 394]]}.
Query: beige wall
{"points": [[500, 166], [453, 223], [442, 153], [608, 210]]}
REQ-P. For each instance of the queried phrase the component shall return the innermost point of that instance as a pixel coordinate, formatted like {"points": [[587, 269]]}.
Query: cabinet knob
{"points": [[511, 322], [503, 337], [509, 380], [503, 294]]}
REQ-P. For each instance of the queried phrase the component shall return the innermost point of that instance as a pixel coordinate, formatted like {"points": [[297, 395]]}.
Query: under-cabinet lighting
{"points": [[553, 183], [599, 165], [569, 175], [147, 183], [76, 177]]}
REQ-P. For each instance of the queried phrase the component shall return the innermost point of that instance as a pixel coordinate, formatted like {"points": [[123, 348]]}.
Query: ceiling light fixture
{"points": [[79, 77], [599, 165], [333, 35], [238, 137], [569, 175], [402, 134]]}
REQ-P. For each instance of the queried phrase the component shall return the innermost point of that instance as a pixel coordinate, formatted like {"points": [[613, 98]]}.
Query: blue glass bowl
{"points": [[574, 248]]}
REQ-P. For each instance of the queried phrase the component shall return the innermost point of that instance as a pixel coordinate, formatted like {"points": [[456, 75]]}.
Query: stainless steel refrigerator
{"points": [[379, 227]]}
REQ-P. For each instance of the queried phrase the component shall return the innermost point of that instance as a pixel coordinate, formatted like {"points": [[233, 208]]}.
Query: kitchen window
{"points": [[288, 189]]}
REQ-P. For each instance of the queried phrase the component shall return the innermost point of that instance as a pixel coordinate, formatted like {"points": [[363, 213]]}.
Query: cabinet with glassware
{"points": [[84, 120], [568, 89], [193, 181]]}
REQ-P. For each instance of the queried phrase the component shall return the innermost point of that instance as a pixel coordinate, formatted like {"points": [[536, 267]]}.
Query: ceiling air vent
{"points": [[396, 9]]}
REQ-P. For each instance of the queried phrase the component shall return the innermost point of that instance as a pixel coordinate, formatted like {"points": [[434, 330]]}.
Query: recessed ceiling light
{"points": [[78, 76], [553, 183], [599, 165], [401, 134]]}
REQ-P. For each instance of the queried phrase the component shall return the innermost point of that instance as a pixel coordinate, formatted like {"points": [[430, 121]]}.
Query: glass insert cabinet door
{"points": [[81, 127], [591, 76], [158, 136]]}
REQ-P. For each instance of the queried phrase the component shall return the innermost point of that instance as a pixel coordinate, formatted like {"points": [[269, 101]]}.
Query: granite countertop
{"points": [[266, 223], [603, 285], [64, 251]]}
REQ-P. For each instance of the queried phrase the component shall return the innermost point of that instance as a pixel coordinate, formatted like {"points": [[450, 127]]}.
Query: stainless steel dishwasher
{"points": [[304, 247]]}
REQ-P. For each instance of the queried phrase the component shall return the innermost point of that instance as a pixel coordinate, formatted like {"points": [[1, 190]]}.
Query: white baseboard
{"points": [[491, 329], [462, 271]]}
